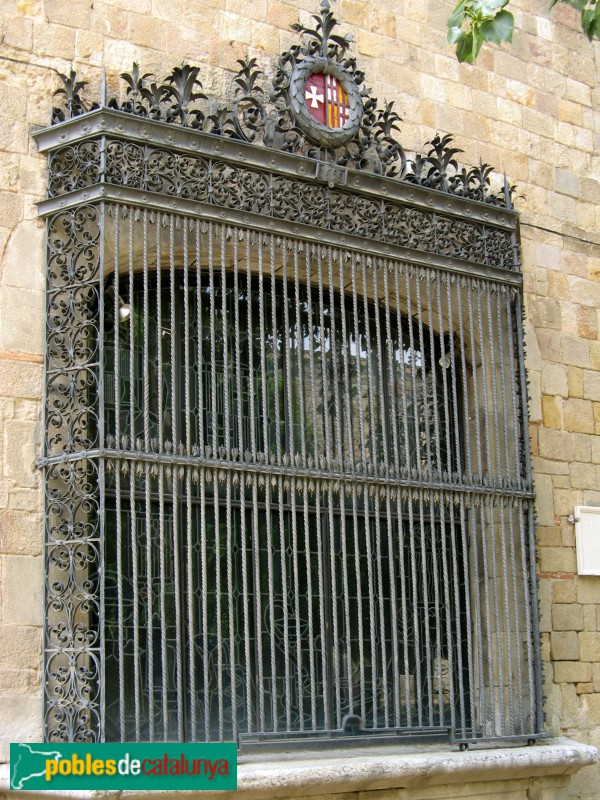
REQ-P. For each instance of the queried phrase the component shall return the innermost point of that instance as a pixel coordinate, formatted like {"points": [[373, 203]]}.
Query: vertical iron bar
{"points": [[476, 535], [402, 471], [349, 466], [161, 495], [189, 541], [227, 447], [175, 480], [415, 472], [118, 537], [147, 479], [466, 476]]}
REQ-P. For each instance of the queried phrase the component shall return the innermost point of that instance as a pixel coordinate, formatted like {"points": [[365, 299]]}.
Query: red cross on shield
{"points": [[326, 100]]}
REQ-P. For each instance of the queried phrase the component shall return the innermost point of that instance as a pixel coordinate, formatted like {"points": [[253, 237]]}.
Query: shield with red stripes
{"points": [[326, 100]]}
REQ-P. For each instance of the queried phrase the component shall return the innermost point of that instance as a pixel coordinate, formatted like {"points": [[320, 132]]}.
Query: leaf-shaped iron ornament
{"points": [[71, 91], [181, 91], [316, 105]]}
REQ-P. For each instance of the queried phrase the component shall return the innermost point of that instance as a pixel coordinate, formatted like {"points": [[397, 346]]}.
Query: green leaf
{"points": [[499, 29], [468, 47], [490, 7], [458, 14], [578, 4], [454, 35], [587, 20]]}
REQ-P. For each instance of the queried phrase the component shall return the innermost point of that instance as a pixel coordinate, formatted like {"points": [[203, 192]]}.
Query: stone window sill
{"points": [[290, 774]]}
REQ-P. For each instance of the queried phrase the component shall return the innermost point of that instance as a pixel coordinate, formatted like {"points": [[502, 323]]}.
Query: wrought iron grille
{"points": [[287, 492], [287, 482]]}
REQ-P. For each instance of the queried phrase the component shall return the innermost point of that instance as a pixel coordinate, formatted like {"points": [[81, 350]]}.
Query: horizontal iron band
{"points": [[276, 470], [142, 130], [268, 225]]}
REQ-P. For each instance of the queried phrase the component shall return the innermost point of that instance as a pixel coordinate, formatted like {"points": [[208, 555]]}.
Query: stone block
{"points": [[584, 292], [570, 705], [575, 352], [566, 181], [549, 536], [547, 466], [281, 14], [20, 721], [595, 446], [556, 444], [54, 40], [535, 396], [558, 286], [582, 447], [89, 47], [565, 500], [579, 415], [567, 617], [544, 500], [20, 452], [584, 476], [27, 410], [21, 499], [22, 320], [564, 591], [552, 412], [554, 376], [20, 647], [75, 13], [572, 672], [589, 646], [591, 708], [22, 590], [575, 379], [591, 385], [19, 681], [557, 559], [265, 37], [147, 31], [545, 312], [21, 533], [18, 33], [547, 256], [587, 319], [545, 605], [590, 618]]}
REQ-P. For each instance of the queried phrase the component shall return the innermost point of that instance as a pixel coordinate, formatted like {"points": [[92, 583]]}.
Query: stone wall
{"points": [[528, 109]]}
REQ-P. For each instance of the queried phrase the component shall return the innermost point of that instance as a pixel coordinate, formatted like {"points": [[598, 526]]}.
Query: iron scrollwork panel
{"points": [[72, 515]]}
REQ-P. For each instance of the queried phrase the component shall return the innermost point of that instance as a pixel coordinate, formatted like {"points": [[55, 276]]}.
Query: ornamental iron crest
{"points": [[317, 105]]}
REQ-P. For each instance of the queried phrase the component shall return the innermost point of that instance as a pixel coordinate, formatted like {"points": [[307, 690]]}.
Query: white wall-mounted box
{"points": [[587, 539]]}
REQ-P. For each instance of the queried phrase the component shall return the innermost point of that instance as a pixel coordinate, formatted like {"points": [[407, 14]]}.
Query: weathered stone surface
{"points": [[565, 646], [564, 591], [544, 499], [22, 590], [588, 589], [20, 452], [20, 646], [21, 533], [20, 720], [572, 672], [555, 380], [557, 445], [22, 320], [579, 415], [23, 262], [567, 617], [20, 378], [589, 646]]}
